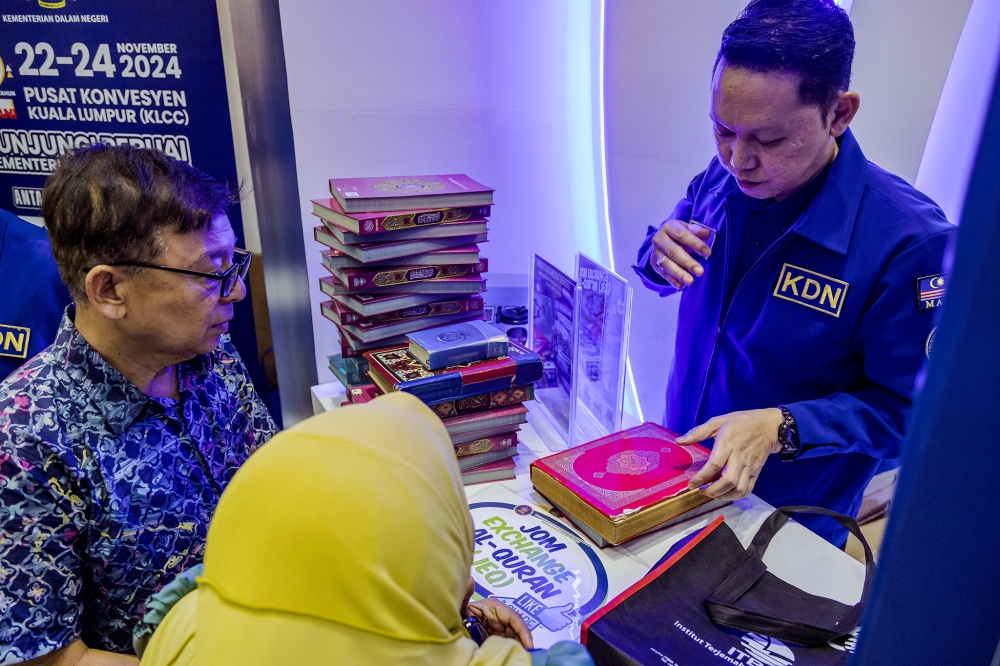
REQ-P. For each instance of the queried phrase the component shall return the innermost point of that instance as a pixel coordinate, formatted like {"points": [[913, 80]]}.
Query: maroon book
{"points": [[373, 223], [463, 254], [343, 315], [484, 444], [394, 193], [484, 401], [403, 242], [437, 288], [502, 470], [491, 418], [393, 329], [358, 279]]}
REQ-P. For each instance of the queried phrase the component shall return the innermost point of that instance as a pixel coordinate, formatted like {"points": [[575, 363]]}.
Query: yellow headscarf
{"points": [[345, 540]]}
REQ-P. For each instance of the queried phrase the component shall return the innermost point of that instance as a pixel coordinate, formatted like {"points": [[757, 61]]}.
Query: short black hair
{"points": [[811, 38], [105, 203]]}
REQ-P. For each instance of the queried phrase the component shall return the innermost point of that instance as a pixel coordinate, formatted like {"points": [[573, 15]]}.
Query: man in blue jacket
{"points": [[802, 328], [33, 295]]}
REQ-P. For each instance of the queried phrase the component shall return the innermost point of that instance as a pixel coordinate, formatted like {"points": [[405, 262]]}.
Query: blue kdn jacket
{"points": [[833, 322]]}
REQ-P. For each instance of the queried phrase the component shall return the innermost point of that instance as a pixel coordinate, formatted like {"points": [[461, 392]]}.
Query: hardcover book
{"points": [[366, 279], [347, 375], [331, 286], [600, 541], [392, 329], [476, 426], [485, 458], [356, 345], [494, 431], [506, 440], [502, 470], [394, 193], [462, 254], [372, 223], [395, 369], [374, 304], [439, 235], [624, 484], [361, 394], [451, 344], [485, 401], [344, 315]]}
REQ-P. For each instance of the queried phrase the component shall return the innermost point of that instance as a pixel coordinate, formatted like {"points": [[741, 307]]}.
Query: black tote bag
{"points": [[759, 620]]}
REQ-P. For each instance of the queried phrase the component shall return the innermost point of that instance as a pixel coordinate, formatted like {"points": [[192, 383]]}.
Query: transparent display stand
{"points": [[580, 328], [600, 349], [552, 304]]}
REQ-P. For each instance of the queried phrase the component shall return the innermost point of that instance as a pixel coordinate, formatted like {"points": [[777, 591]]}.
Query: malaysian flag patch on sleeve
{"points": [[930, 291]]}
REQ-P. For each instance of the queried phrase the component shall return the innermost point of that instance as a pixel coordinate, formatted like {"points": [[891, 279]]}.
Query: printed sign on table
{"points": [[534, 562]]}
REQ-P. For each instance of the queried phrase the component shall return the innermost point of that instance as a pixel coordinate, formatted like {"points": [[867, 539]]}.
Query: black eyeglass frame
{"points": [[241, 268]]}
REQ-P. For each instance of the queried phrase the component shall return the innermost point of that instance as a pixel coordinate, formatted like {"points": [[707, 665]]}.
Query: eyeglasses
{"points": [[228, 277]]}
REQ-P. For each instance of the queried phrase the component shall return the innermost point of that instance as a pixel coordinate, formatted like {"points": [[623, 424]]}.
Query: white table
{"points": [[796, 555]]}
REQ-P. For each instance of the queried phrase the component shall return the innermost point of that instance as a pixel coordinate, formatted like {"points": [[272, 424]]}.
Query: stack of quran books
{"points": [[479, 402], [402, 255]]}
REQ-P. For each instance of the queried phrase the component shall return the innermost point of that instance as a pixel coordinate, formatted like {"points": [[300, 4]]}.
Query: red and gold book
{"points": [[373, 223], [432, 290], [502, 470], [363, 393], [480, 403], [483, 444], [463, 254], [469, 427], [341, 314], [624, 484], [366, 278], [395, 369]]}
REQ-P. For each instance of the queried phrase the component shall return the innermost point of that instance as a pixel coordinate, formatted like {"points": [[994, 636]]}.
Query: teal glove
{"points": [[160, 603], [563, 653]]}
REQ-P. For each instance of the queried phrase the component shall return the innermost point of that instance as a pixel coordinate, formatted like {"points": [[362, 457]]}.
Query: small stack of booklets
{"points": [[403, 256], [475, 380], [625, 484]]}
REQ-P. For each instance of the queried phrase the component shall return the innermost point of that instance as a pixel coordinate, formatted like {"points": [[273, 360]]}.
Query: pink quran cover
{"points": [[627, 470]]}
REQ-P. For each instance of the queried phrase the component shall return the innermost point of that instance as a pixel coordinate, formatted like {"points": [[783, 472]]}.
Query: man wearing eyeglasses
{"points": [[117, 441]]}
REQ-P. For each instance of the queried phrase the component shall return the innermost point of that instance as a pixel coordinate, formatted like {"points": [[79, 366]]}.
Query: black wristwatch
{"points": [[788, 436]]}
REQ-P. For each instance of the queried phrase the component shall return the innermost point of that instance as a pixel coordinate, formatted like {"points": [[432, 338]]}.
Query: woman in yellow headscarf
{"points": [[345, 540]]}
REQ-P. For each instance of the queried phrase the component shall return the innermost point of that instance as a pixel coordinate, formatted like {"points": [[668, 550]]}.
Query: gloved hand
{"points": [[158, 605]]}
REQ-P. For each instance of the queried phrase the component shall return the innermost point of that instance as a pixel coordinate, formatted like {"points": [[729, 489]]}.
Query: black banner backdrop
{"points": [[147, 73]]}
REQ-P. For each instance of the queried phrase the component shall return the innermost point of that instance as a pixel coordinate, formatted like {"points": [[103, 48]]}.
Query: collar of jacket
{"points": [[829, 219]]}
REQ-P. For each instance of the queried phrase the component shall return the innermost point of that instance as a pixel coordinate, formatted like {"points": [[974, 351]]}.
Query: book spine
{"points": [[474, 304], [486, 444], [358, 278], [489, 370], [484, 401], [321, 235], [373, 224]]}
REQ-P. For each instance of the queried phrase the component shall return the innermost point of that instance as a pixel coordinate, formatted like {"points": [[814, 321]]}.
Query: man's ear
{"points": [[106, 291], [843, 112]]}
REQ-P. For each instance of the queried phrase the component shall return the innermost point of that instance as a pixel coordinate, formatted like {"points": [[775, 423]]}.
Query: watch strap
{"points": [[788, 436]]}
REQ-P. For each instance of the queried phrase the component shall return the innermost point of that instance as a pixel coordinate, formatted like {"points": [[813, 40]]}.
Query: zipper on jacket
{"points": [[724, 316]]}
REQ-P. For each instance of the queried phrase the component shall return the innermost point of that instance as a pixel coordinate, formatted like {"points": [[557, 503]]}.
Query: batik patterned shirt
{"points": [[105, 492]]}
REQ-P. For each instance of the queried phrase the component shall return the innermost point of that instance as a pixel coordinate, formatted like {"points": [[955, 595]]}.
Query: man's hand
{"points": [[501, 620], [672, 247], [743, 441]]}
